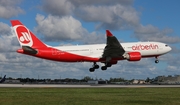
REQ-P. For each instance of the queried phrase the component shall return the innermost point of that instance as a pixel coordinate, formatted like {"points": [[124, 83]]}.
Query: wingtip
{"points": [[108, 33]]}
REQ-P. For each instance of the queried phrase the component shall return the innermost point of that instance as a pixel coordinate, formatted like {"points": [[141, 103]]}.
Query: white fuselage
{"points": [[145, 48], [108, 53]]}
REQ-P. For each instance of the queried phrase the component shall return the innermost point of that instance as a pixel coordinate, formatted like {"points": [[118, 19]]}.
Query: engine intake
{"points": [[133, 56]]}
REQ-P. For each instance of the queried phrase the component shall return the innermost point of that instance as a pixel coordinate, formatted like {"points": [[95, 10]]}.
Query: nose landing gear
{"points": [[156, 61]]}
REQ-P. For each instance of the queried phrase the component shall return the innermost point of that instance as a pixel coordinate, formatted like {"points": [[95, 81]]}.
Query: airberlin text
{"points": [[145, 47]]}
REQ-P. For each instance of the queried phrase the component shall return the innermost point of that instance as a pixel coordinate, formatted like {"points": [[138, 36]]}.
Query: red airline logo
{"points": [[145, 47]]}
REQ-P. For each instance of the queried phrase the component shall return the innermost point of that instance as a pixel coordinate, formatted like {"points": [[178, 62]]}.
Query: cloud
{"points": [[175, 50], [55, 28], [152, 33], [8, 41], [67, 7], [116, 15], [110, 15], [58, 7], [9, 8], [78, 3], [173, 65], [5, 29], [65, 28]]}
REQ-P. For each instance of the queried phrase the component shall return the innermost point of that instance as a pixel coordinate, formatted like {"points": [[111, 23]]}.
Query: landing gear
{"points": [[91, 69], [95, 66], [106, 66], [156, 61]]}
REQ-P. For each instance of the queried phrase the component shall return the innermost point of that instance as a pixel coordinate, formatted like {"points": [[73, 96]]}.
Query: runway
{"points": [[81, 86]]}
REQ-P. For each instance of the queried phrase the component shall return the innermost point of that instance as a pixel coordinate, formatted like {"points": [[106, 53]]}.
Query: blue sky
{"points": [[67, 22]]}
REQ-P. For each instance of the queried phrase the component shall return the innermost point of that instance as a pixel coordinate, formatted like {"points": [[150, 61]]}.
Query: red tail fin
{"points": [[25, 36]]}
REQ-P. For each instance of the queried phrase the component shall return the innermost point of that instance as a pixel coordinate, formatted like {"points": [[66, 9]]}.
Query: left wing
{"points": [[113, 47]]}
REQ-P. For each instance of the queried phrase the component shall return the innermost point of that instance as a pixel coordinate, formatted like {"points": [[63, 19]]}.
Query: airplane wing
{"points": [[113, 47]]}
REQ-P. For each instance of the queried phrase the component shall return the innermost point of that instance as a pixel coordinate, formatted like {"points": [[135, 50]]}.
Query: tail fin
{"points": [[3, 79], [25, 36]]}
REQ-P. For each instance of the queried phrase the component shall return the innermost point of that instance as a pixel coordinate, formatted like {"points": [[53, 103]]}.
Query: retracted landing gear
{"points": [[95, 66], [156, 61]]}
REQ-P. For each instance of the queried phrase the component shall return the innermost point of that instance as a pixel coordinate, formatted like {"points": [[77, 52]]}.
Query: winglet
{"points": [[108, 33]]}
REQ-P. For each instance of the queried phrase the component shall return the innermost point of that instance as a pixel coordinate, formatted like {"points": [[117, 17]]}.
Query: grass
{"points": [[89, 96]]}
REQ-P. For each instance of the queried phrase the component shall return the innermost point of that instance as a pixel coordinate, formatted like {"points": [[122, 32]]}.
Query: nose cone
{"points": [[170, 48]]}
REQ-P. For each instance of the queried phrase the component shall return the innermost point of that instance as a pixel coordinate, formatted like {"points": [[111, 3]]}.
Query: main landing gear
{"points": [[106, 66], [156, 61], [95, 66]]}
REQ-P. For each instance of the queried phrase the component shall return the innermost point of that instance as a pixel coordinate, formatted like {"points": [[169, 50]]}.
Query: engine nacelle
{"points": [[133, 56]]}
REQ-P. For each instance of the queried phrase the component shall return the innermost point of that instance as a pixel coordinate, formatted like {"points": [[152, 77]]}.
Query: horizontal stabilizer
{"points": [[29, 50]]}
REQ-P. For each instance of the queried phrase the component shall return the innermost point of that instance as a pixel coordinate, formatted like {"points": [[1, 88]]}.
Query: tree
{"points": [[87, 78], [147, 80]]}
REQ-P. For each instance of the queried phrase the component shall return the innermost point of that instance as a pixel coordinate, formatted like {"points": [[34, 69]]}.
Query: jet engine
{"points": [[133, 56]]}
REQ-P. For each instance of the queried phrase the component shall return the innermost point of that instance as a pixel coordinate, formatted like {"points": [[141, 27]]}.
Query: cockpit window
{"points": [[166, 45]]}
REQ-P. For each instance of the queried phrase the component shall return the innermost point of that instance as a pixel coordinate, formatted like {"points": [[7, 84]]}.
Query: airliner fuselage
{"points": [[109, 53]]}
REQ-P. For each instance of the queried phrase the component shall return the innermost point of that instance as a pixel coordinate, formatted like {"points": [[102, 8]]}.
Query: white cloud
{"points": [[109, 17], [55, 28], [116, 15], [66, 28], [67, 7], [58, 7], [9, 8], [5, 29], [152, 33], [78, 3]]}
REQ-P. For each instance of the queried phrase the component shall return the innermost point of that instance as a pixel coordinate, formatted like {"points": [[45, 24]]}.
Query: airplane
{"points": [[109, 53], [3, 79]]}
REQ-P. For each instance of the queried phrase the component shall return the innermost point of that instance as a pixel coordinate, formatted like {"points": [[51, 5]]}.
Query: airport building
{"points": [[97, 82], [168, 79]]}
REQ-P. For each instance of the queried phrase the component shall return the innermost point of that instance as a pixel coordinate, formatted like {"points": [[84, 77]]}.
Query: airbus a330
{"points": [[109, 53]]}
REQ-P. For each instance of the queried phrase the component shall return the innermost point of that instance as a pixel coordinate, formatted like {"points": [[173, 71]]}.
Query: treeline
{"points": [[85, 79]]}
